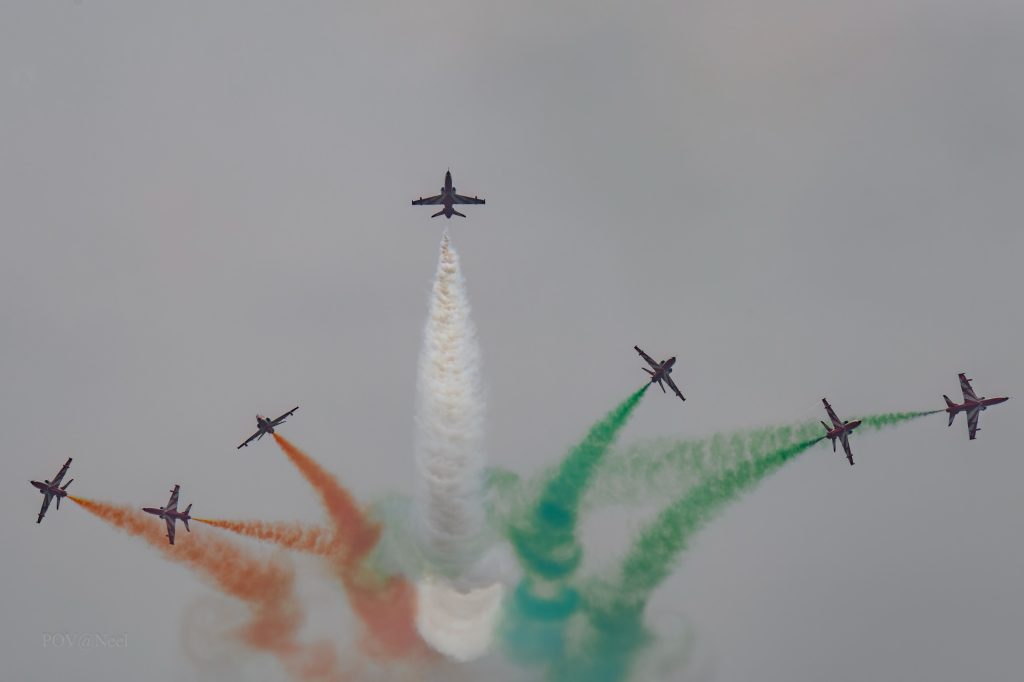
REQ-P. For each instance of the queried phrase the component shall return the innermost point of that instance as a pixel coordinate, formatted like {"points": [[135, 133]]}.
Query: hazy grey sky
{"points": [[206, 214]]}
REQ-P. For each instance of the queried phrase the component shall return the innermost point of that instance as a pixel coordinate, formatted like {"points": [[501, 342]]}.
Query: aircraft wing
{"points": [[831, 414], [173, 502], [672, 385], [846, 446], [250, 439], [428, 201], [648, 358], [60, 474], [459, 199], [965, 386], [42, 510], [286, 414], [170, 529], [972, 422]]}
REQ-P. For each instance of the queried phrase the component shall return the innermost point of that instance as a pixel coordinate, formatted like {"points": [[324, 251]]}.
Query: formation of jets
{"points": [[659, 373], [839, 431], [52, 489]]}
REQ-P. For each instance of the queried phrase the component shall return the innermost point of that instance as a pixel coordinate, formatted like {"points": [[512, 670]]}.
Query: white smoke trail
{"points": [[459, 603], [449, 426]]}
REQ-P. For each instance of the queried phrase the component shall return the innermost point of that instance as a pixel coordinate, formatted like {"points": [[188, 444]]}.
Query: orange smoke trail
{"points": [[385, 605], [356, 534], [297, 536], [266, 586]]}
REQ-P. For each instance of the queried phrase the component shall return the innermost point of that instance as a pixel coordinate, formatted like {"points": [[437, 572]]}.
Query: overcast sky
{"points": [[205, 214]]}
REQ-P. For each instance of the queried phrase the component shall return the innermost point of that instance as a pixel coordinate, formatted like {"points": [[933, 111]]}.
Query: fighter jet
{"points": [[265, 426], [839, 430], [447, 197], [52, 489], [170, 513], [972, 404], [660, 372]]}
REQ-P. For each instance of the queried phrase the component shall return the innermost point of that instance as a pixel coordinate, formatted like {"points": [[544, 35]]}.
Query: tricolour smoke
{"points": [[266, 586], [460, 597]]}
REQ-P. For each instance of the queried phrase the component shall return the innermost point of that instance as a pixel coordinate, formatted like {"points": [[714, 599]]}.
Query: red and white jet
{"points": [[972, 404], [170, 513], [52, 489], [839, 430], [660, 372], [265, 426]]}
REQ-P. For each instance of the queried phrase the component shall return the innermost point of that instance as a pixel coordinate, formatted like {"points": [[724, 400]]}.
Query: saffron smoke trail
{"points": [[460, 597], [265, 585], [547, 544], [290, 535], [385, 605]]}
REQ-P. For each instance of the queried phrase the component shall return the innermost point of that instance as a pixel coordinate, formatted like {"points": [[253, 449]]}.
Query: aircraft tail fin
{"points": [[952, 416], [827, 428], [651, 372], [65, 486], [949, 403], [58, 501], [441, 212], [454, 212]]}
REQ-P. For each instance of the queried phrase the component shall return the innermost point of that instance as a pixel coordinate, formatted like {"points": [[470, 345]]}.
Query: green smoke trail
{"points": [[664, 468], [879, 421], [614, 609], [654, 551], [544, 538], [658, 469]]}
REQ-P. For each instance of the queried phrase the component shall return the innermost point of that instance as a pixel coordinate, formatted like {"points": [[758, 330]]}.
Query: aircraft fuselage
{"points": [[167, 513], [264, 424], [665, 370], [47, 488], [448, 195], [844, 428], [980, 403]]}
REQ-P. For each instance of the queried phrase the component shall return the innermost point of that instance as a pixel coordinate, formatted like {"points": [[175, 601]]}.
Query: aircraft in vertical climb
{"points": [[53, 489], [660, 372], [972, 404], [839, 430], [170, 513], [265, 426], [447, 198]]}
